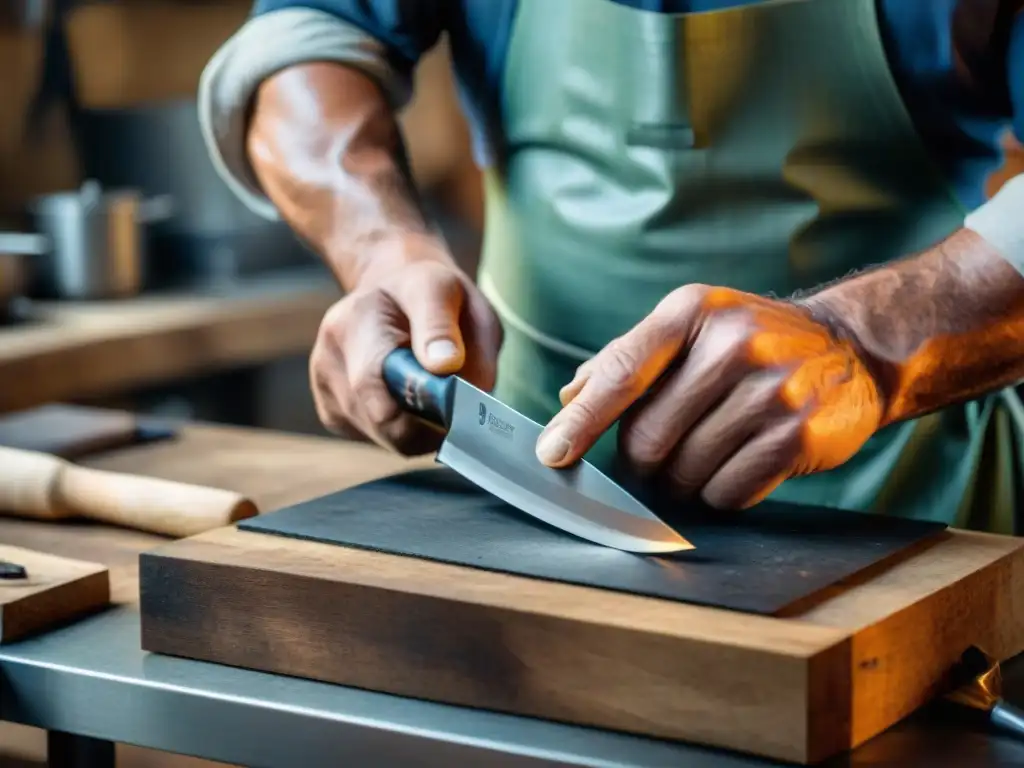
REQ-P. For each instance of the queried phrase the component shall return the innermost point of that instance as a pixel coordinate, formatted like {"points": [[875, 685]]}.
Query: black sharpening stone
{"points": [[759, 561]]}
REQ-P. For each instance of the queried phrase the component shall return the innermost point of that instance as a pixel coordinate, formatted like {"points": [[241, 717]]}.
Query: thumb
{"points": [[432, 301]]}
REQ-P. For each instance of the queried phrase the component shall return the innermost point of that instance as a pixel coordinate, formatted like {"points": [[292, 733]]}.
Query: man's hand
{"points": [[325, 145], [723, 394], [413, 293]]}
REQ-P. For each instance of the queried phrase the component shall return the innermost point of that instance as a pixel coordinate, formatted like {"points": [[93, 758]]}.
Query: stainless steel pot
{"points": [[97, 242], [158, 148]]}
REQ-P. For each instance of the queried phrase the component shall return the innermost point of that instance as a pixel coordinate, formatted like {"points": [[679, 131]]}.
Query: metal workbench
{"points": [[90, 685]]}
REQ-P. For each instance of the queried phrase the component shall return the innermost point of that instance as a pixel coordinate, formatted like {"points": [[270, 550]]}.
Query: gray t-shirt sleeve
{"points": [[264, 45], [1001, 221]]}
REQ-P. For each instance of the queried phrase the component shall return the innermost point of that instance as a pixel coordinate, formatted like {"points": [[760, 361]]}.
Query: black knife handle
{"points": [[418, 391]]}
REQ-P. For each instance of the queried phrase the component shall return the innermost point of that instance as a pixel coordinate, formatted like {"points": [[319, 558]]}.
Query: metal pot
{"points": [[97, 243], [159, 149]]}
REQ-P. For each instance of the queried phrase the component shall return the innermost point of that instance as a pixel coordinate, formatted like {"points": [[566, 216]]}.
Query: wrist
{"points": [[379, 256], [934, 329], [841, 315]]}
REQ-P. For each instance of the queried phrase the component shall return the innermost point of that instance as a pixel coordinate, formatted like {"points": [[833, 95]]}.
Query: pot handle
{"points": [[156, 209], [24, 243]]}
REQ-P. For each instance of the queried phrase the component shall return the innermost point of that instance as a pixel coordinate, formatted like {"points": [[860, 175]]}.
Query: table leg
{"points": [[66, 750]]}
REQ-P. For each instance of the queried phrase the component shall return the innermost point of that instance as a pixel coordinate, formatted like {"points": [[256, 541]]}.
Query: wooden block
{"points": [[68, 431], [56, 591], [798, 688]]}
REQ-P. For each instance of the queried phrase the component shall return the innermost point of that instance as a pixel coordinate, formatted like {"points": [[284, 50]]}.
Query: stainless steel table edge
{"points": [[92, 680]]}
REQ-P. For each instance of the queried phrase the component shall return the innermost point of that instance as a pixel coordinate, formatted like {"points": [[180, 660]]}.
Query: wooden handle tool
{"points": [[43, 487]]}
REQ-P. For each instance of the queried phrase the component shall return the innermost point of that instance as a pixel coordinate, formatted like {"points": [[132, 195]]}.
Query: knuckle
{"points": [[727, 337], [327, 402], [788, 438], [682, 477], [365, 386], [329, 411], [332, 323], [691, 294], [767, 392], [684, 302], [340, 317], [618, 366], [319, 370], [359, 304], [644, 445], [579, 412], [336, 312], [737, 326], [330, 420]]}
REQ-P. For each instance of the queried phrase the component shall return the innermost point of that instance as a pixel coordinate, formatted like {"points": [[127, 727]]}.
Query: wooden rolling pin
{"points": [[44, 487]]}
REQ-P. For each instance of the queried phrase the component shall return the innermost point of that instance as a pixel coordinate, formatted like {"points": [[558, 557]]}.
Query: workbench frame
{"points": [[89, 684]]}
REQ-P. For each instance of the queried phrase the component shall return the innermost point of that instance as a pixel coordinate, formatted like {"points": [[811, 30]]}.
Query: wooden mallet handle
{"points": [[44, 487]]}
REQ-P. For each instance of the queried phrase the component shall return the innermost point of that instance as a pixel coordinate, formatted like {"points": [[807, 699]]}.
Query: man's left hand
{"points": [[723, 395]]}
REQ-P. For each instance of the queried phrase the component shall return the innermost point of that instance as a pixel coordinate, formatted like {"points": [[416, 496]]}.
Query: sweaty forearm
{"points": [[938, 328], [325, 146]]}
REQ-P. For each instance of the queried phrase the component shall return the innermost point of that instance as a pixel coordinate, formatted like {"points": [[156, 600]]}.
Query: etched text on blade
{"points": [[497, 435]]}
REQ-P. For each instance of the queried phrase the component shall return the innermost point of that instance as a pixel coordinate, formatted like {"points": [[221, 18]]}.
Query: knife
{"points": [[492, 446]]}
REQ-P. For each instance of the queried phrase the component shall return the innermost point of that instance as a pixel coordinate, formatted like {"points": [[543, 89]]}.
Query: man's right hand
{"points": [[411, 294], [326, 148]]}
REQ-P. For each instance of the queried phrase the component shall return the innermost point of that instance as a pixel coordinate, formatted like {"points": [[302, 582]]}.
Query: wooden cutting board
{"points": [[822, 676], [56, 590]]}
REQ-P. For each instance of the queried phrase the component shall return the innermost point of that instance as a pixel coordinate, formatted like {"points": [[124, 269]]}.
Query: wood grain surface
{"points": [[56, 590], [799, 688]]}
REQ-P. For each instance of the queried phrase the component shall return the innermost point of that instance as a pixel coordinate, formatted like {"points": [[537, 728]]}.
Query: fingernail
{"points": [[552, 447], [441, 351]]}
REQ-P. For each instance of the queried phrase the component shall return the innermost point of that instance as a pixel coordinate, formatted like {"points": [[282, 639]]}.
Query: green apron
{"points": [[765, 148]]}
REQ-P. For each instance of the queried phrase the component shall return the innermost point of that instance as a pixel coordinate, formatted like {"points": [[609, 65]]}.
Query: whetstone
{"points": [[57, 590], [764, 560]]}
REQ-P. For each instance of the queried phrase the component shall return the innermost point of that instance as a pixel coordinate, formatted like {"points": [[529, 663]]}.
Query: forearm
{"points": [[325, 146], [938, 328]]}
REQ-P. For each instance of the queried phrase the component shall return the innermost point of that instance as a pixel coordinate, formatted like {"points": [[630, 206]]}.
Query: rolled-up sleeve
{"points": [[1001, 220], [383, 38]]}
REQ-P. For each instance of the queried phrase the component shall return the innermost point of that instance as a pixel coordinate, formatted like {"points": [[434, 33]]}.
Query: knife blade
{"points": [[492, 446]]}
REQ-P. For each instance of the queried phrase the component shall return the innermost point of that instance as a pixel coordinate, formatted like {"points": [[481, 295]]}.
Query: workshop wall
{"points": [[133, 52]]}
